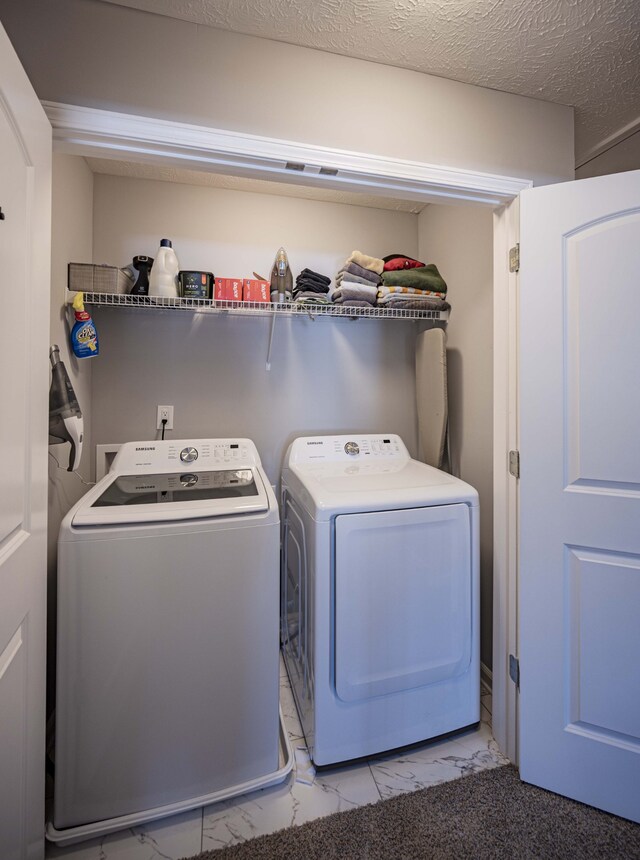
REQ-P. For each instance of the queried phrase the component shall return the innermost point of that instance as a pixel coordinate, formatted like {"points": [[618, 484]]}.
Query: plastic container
{"points": [[84, 337], [163, 280], [196, 285]]}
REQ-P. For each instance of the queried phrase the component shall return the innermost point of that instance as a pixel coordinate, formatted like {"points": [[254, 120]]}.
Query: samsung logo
{"points": [[150, 448], [315, 443]]}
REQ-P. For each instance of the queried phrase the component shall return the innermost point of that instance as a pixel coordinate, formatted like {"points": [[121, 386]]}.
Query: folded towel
{"points": [[310, 286], [364, 291], [344, 293], [400, 261], [372, 263], [423, 278], [356, 279], [387, 300], [315, 276], [354, 303], [396, 292], [355, 269], [315, 299], [321, 298], [413, 304]]}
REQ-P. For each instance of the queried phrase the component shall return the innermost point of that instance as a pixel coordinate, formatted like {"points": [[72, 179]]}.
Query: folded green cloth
{"points": [[423, 278], [413, 304]]}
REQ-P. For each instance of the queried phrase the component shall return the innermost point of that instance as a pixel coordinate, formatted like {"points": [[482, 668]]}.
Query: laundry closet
{"points": [[326, 374]]}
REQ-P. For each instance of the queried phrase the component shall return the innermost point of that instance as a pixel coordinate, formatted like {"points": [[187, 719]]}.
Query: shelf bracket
{"points": [[272, 329]]}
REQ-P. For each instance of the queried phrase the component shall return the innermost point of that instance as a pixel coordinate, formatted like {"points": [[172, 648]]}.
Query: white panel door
{"points": [[579, 592], [25, 228]]}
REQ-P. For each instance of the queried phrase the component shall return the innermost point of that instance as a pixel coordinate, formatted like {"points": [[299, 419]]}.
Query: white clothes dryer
{"points": [[167, 655], [380, 596]]}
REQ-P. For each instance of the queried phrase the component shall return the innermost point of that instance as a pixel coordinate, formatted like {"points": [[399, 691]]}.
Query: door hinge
{"points": [[514, 670], [514, 258], [514, 463]]}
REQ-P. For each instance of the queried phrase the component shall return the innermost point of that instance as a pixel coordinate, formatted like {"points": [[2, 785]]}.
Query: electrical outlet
{"points": [[165, 412]]}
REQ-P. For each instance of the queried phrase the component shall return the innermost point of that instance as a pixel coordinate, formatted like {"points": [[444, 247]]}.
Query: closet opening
{"points": [[327, 375]]}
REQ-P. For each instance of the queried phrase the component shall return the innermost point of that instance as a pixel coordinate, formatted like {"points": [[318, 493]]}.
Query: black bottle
{"points": [[142, 264]]}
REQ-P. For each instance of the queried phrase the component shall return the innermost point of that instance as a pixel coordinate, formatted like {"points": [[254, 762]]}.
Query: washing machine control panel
{"points": [[318, 449], [173, 455]]}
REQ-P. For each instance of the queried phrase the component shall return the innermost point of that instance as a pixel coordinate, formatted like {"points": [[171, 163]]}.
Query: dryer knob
{"points": [[352, 448], [188, 455]]}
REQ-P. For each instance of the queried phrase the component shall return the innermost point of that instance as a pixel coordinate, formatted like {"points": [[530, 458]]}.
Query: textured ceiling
{"points": [[162, 173], [584, 53]]}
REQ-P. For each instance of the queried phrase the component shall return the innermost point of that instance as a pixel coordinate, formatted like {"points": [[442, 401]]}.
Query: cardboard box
{"points": [[256, 291], [234, 288], [228, 289]]}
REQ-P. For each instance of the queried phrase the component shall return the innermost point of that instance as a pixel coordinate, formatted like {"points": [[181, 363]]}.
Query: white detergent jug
{"points": [[163, 280]]}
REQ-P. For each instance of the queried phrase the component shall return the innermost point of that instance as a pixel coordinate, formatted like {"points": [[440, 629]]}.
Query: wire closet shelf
{"points": [[260, 308]]}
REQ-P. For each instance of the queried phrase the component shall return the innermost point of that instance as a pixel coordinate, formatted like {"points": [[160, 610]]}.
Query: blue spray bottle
{"points": [[84, 337]]}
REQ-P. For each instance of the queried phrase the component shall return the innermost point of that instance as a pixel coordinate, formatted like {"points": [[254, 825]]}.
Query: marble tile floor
{"points": [[304, 796]]}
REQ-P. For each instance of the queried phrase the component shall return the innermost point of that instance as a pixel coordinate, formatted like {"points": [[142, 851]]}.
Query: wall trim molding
{"points": [[609, 142], [108, 134]]}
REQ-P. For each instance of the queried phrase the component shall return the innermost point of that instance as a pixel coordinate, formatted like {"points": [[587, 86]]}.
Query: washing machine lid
{"points": [[166, 481], [341, 474]]}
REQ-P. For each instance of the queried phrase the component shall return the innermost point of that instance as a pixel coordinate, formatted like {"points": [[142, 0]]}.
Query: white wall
{"points": [[99, 54], [460, 241], [72, 240], [326, 376]]}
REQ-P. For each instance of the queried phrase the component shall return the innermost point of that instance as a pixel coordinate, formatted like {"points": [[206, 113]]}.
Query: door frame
{"points": [[506, 327], [108, 134]]}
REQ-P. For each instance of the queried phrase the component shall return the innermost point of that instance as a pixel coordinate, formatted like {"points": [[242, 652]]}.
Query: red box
{"points": [[256, 291], [228, 289], [234, 289]]}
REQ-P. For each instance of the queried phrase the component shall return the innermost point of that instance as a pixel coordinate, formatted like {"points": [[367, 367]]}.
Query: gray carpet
{"points": [[487, 815]]}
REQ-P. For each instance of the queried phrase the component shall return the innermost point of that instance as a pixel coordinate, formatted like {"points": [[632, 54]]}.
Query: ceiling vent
{"points": [[328, 171], [295, 165]]}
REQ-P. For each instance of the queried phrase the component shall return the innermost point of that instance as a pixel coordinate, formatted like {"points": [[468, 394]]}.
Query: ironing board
{"points": [[431, 395]]}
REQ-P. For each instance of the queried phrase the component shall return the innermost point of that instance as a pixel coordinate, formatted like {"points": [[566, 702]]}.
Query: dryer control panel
{"points": [[172, 455], [353, 448]]}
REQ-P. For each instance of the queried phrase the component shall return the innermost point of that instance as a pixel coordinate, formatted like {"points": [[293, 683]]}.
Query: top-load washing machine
{"points": [[167, 659], [380, 594]]}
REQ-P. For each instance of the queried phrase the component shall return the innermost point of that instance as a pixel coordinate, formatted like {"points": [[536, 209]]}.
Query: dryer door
{"points": [[402, 599]]}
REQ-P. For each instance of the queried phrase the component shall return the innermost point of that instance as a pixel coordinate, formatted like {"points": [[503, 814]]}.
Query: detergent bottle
{"points": [[164, 272], [84, 337]]}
